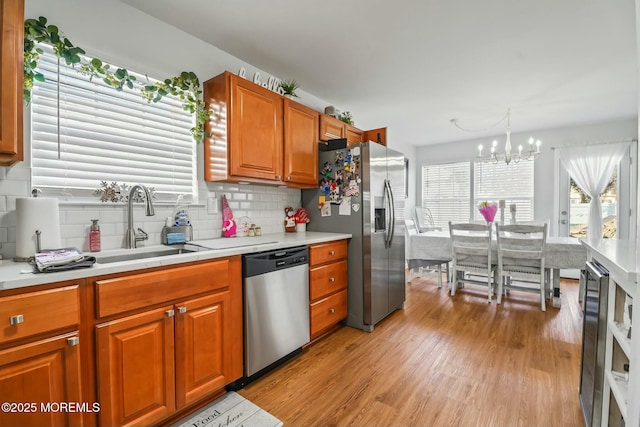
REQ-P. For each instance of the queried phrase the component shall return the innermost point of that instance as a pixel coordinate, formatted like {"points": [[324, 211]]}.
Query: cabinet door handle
{"points": [[279, 177], [17, 319], [182, 309], [332, 253], [288, 178], [332, 310], [73, 341], [332, 279], [170, 313]]}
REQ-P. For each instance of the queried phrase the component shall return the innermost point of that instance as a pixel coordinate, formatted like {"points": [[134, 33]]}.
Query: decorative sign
{"points": [[271, 83]]}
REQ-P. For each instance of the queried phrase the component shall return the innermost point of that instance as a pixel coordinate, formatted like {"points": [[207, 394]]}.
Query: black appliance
{"points": [[594, 331]]}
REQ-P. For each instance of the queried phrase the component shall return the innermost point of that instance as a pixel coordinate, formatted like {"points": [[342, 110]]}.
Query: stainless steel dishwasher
{"points": [[276, 308]]}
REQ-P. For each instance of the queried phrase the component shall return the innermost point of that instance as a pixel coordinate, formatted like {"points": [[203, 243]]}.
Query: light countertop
{"points": [[20, 274], [621, 257]]}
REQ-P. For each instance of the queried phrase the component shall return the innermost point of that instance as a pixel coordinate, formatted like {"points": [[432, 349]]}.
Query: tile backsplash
{"points": [[263, 204]]}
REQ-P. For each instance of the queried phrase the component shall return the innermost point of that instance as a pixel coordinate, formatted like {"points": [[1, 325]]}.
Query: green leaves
{"points": [[186, 86]]}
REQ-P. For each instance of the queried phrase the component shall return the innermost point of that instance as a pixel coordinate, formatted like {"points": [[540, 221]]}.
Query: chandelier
{"points": [[532, 151]]}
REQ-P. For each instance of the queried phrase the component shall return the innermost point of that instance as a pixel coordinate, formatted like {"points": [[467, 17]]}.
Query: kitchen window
{"points": [[84, 132], [447, 189], [512, 183], [446, 192]]}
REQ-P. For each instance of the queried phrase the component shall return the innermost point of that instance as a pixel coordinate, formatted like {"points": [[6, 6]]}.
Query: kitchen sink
{"points": [[142, 255]]}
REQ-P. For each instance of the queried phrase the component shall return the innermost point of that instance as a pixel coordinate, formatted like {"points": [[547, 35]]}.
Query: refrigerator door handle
{"points": [[392, 211]]}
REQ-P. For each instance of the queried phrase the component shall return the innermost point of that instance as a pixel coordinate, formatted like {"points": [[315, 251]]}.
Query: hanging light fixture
{"points": [[532, 152]]}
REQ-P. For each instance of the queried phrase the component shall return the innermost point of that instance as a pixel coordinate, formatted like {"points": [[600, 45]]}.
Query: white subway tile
{"points": [[14, 188]]}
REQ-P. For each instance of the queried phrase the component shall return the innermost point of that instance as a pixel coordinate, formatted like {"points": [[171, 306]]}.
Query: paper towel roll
{"points": [[33, 214]]}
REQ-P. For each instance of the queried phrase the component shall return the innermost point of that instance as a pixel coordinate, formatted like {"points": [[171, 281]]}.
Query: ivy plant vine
{"points": [[186, 86]]}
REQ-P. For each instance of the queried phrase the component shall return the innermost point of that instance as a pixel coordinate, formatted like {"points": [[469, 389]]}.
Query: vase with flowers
{"points": [[488, 210]]}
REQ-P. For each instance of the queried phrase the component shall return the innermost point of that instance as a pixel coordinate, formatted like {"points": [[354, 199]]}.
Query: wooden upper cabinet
{"points": [[331, 128], [246, 131], [376, 135], [353, 134], [300, 144], [11, 77]]}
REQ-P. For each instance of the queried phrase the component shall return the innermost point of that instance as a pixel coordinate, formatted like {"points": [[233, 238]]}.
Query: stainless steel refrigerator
{"points": [[361, 191]]}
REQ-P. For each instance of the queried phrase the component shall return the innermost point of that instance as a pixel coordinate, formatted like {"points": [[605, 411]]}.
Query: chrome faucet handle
{"points": [[142, 235]]}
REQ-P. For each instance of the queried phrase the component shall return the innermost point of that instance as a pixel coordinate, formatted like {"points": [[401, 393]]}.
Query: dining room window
{"points": [[446, 192], [84, 132], [512, 183]]}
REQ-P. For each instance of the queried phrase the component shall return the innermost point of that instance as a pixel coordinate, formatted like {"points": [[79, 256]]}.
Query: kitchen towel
{"points": [[37, 213]]}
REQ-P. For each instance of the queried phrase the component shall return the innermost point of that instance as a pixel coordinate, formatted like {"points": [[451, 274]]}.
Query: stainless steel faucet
{"points": [[132, 237]]}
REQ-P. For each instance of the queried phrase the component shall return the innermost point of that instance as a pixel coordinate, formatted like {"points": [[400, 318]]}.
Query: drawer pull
{"points": [[332, 279], [332, 252], [170, 313], [73, 341], [332, 310], [278, 177], [17, 319], [288, 178], [182, 309]]}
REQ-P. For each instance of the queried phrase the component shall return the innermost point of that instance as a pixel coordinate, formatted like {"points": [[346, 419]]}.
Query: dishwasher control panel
{"points": [[264, 262]]}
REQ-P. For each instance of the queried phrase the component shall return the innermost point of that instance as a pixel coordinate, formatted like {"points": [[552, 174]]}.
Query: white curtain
{"points": [[591, 167]]}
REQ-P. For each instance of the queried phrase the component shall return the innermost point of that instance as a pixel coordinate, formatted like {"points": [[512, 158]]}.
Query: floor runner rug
{"points": [[230, 410]]}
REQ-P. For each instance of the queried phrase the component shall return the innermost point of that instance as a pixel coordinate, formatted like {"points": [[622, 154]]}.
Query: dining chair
{"points": [[428, 265], [423, 220], [521, 261], [471, 256]]}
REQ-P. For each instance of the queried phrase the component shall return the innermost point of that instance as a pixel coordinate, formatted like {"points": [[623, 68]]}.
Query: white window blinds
{"points": [[84, 132], [512, 183], [446, 192]]}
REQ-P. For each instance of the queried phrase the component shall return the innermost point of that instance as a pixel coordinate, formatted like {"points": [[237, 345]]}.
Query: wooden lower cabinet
{"points": [[328, 312], [160, 360], [37, 378], [203, 331], [136, 368], [328, 281]]}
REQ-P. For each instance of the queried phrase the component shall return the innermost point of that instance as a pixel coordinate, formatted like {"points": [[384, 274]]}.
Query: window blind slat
{"points": [[107, 135]]}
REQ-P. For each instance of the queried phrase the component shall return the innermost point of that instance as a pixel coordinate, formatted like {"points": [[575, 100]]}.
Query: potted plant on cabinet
{"points": [[347, 118], [289, 88]]}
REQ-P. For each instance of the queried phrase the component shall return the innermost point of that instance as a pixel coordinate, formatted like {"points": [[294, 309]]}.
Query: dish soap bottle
{"points": [[94, 236]]}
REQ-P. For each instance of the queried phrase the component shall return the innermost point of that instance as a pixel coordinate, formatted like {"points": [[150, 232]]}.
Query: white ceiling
{"points": [[415, 65]]}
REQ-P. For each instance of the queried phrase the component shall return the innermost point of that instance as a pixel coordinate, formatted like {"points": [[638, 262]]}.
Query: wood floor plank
{"points": [[442, 361]]}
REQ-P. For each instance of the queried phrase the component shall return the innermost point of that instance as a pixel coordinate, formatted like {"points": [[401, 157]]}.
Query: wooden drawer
{"points": [[41, 311], [328, 311], [327, 252], [135, 291], [327, 279]]}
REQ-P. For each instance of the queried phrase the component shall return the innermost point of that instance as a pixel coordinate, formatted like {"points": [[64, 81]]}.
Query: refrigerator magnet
{"points": [[325, 210], [345, 206], [355, 207]]}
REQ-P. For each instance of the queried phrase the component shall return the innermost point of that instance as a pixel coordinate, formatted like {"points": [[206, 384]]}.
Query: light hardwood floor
{"points": [[442, 361]]}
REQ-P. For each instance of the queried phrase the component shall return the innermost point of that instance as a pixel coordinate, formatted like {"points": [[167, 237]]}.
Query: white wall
{"points": [[638, 59], [545, 173]]}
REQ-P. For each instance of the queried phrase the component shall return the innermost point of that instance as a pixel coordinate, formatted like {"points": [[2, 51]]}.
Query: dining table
{"points": [[560, 253]]}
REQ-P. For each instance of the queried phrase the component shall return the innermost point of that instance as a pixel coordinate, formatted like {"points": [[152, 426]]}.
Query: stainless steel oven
{"points": [[594, 305]]}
